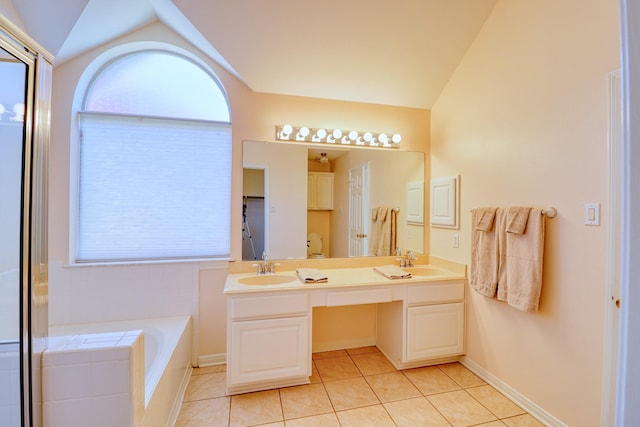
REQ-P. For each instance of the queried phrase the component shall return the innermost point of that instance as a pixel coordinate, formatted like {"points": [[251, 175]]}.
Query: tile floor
{"points": [[355, 387]]}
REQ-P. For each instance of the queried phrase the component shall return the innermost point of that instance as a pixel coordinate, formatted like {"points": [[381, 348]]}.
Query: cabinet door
{"points": [[324, 191], [272, 349], [435, 331]]}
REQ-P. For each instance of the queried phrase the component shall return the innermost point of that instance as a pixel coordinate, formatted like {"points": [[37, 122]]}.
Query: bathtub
{"points": [[167, 361]]}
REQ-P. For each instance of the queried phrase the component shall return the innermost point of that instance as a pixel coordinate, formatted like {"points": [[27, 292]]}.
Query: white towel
{"points": [[392, 272], [312, 275], [483, 274], [520, 277]]}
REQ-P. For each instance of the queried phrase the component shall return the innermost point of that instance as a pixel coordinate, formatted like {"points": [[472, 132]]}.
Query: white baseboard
{"points": [[518, 398], [212, 360]]}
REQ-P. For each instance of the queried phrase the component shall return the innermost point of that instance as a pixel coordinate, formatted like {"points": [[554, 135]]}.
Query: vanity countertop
{"points": [[345, 277]]}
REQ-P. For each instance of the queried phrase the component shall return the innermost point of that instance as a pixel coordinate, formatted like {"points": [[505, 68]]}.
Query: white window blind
{"points": [[153, 188]]}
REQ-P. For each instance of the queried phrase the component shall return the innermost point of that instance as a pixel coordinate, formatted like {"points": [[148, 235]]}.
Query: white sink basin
{"points": [[269, 279]]}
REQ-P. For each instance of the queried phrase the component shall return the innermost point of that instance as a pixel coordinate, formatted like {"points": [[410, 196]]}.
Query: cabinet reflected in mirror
{"points": [[311, 206]]}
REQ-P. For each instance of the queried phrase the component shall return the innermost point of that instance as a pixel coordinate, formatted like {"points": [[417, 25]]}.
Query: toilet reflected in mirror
{"points": [[314, 246]]}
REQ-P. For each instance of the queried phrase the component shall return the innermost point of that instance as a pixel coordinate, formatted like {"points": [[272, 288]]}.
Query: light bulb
{"points": [[319, 135], [303, 132], [396, 138], [285, 132]]}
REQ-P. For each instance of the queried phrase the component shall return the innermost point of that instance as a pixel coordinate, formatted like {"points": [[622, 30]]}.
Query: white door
{"points": [[358, 208]]}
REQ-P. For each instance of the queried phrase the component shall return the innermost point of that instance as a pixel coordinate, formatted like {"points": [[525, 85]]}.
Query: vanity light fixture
{"points": [[337, 136]]}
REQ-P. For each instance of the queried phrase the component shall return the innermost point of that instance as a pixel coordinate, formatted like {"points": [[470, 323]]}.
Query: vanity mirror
{"points": [[302, 199]]}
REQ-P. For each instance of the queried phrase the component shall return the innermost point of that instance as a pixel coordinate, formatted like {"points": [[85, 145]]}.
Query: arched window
{"points": [[155, 162]]}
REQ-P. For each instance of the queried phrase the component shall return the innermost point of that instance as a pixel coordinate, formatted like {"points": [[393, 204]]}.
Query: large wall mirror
{"points": [[313, 201]]}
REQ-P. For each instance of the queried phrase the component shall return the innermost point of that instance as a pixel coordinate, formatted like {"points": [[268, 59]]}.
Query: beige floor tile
{"points": [[461, 375], [415, 412], [431, 380], [350, 393], [278, 424], [370, 416], [324, 420], [204, 413], [525, 420], [206, 386], [315, 376], [460, 409], [494, 401], [363, 350], [491, 424], [304, 400], [336, 368], [372, 363], [261, 407], [328, 354], [392, 386]]}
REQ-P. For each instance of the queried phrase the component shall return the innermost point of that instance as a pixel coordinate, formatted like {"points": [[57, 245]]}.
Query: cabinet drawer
{"points": [[435, 293], [364, 296], [269, 306]]}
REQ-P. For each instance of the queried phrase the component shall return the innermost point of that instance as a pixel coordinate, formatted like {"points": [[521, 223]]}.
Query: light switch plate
{"points": [[592, 214]]}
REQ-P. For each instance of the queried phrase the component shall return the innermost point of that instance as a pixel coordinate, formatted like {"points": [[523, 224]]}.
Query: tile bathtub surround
{"points": [[94, 379], [355, 387]]}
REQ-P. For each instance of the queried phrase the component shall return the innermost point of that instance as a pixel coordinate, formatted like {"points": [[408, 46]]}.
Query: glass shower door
{"points": [[13, 97]]}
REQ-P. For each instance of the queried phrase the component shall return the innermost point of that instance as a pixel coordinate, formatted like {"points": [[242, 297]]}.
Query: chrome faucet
{"points": [[410, 259], [265, 262], [405, 260]]}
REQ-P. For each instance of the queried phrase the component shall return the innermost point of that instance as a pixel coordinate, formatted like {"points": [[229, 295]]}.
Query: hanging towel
{"points": [[520, 279], [483, 273], [484, 219], [383, 239], [517, 218], [392, 272], [375, 231]]}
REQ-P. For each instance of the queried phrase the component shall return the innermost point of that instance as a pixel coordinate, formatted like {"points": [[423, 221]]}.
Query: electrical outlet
{"points": [[455, 240]]}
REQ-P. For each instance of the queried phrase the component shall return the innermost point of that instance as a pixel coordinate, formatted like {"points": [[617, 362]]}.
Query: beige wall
{"points": [[254, 117], [524, 122]]}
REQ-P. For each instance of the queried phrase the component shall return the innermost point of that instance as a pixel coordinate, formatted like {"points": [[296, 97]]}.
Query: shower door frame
{"points": [[34, 215]]}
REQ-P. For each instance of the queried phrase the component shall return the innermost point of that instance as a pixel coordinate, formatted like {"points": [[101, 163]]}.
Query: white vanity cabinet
{"points": [[431, 318], [269, 341], [419, 321], [320, 190]]}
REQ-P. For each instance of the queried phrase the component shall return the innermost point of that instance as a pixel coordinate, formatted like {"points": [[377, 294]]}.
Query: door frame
{"points": [[613, 253], [628, 378]]}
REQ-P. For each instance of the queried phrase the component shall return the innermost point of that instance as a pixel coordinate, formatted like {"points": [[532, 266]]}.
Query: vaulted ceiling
{"points": [[396, 53]]}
